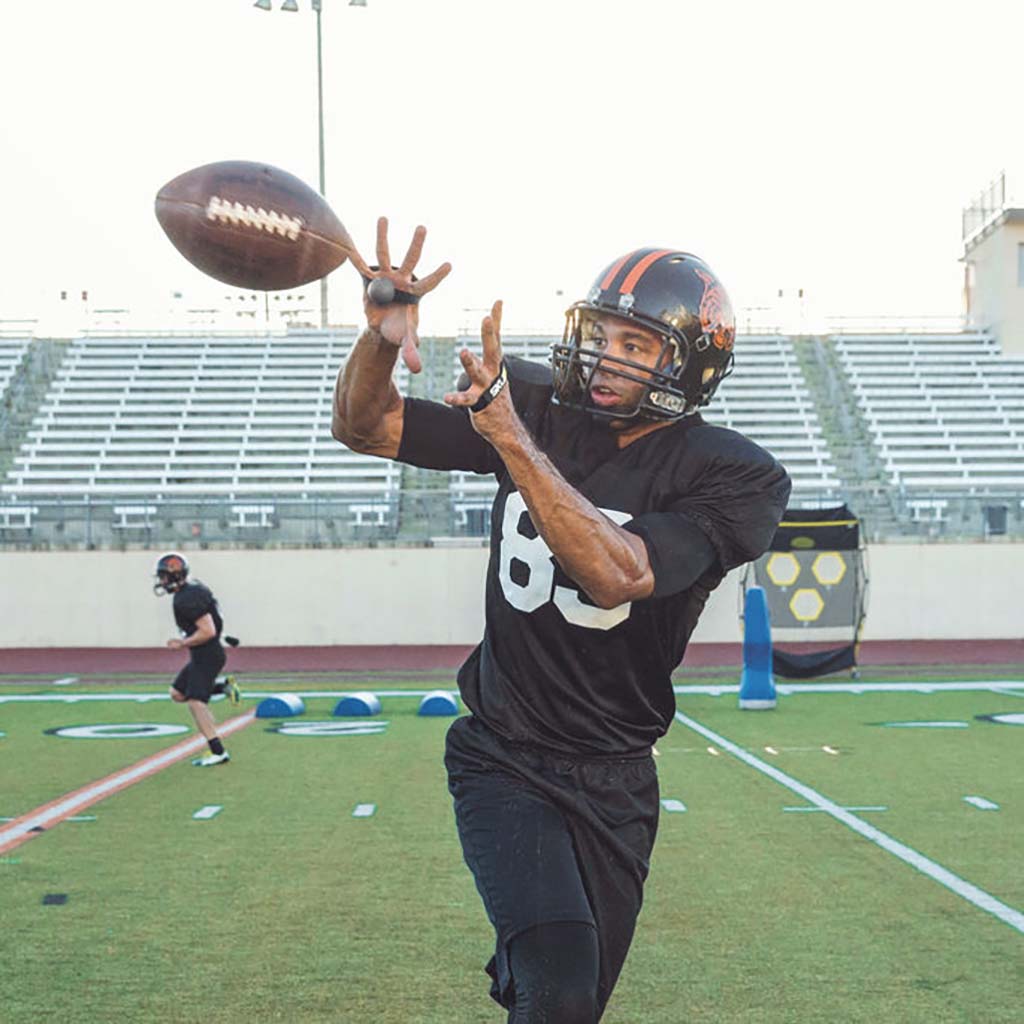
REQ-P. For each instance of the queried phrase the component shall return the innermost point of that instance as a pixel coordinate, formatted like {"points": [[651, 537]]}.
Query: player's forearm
{"points": [[609, 563], [198, 638], [364, 392]]}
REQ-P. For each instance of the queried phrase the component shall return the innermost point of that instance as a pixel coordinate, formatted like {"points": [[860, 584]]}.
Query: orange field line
{"points": [[35, 822]]}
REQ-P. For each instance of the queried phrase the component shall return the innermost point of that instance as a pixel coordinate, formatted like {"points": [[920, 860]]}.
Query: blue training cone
{"points": [[757, 688], [357, 705], [281, 705], [439, 703]]}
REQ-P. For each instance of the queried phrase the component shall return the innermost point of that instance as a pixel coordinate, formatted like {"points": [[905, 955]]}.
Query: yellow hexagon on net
{"points": [[806, 604], [829, 568], [782, 569]]}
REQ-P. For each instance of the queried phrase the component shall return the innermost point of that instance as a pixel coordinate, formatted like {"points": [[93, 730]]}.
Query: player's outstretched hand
{"points": [[397, 321], [487, 378]]}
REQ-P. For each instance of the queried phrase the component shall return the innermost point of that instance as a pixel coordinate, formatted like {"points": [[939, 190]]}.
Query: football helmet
{"points": [[171, 572], [672, 293]]}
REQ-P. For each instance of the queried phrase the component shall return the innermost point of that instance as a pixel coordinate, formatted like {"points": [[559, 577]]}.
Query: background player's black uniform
{"points": [[196, 680], [553, 770]]}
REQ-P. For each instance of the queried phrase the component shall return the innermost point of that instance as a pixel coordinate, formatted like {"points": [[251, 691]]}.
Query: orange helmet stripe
{"points": [[610, 276], [638, 271]]}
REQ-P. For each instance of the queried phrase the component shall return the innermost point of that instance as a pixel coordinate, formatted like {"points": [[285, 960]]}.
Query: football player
{"points": [[618, 511], [199, 620]]}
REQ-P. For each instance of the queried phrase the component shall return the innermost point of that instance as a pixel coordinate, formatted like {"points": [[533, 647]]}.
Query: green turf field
{"points": [[760, 907]]}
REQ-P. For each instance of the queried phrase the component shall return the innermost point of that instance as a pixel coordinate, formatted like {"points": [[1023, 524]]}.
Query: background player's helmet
{"points": [[673, 293], [171, 572]]}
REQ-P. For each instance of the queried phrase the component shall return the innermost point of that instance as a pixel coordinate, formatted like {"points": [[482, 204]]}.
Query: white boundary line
{"points": [[787, 689], [794, 689], [145, 698], [971, 893]]}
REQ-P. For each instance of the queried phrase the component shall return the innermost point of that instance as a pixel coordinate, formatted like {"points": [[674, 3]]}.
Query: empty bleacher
{"points": [[945, 411], [227, 438], [12, 351], [767, 399], [163, 418]]}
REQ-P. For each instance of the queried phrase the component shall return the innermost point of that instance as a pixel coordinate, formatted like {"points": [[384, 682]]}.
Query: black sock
{"points": [[216, 747]]}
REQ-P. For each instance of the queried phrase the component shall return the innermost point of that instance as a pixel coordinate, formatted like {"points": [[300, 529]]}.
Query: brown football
{"points": [[252, 225]]}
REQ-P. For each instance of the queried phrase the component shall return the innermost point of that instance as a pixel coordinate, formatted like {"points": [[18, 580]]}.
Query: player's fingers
{"points": [[412, 257], [460, 399], [411, 354], [496, 317], [478, 374], [491, 339], [383, 252], [432, 280], [411, 341]]}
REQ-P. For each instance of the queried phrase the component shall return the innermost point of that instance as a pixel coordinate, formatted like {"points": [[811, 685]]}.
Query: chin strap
{"points": [[491, 392]]}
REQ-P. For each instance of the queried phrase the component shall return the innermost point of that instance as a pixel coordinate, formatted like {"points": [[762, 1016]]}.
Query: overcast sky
{"points": [[825, 145]]}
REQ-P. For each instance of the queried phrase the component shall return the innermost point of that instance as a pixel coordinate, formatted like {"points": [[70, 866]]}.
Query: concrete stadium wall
{"points": [[997, 299], [435, 596]]}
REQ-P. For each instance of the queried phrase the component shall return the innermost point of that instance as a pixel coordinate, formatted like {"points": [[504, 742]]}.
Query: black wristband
{"points": [[400, 297], [491, 392]]}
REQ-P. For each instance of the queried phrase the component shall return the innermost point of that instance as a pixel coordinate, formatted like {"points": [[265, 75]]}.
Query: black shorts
{"points": [[196, 679], [552, 838]]}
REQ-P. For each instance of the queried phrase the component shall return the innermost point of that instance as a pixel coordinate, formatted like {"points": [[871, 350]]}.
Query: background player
{"points": [[618, 511], [198, 617]]}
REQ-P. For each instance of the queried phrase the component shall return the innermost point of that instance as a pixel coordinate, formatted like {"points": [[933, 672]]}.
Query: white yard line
{"points": [[981, 803], [981, 899]]}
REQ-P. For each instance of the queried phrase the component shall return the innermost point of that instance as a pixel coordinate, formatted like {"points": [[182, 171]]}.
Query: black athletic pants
{"points": [[196, 680], [552, 839]]}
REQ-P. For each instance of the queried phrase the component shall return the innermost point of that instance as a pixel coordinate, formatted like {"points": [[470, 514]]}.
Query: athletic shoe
{"points": [[211, 759], [234, 694]]}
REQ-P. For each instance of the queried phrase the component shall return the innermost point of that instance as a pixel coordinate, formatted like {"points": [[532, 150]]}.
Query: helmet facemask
{"points": [[171, 574], [580, 356]]}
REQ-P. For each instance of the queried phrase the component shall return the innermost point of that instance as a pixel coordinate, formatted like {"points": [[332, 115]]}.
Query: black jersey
{"points": [[191, 603], [553, 669]]}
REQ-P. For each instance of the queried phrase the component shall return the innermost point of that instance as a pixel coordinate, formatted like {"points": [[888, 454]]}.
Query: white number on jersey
{"points": [[526, 569]]}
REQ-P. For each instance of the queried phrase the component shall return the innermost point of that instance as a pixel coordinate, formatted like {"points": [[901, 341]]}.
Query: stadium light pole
{"points": [[291, 6]]}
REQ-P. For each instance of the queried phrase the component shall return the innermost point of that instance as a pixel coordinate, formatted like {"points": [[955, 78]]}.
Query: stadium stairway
{"points": [[857, 463], [24, 395], [425, 505]]}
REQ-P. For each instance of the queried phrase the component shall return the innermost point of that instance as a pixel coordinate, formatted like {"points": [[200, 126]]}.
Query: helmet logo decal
{"points": [[716, 313]]}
